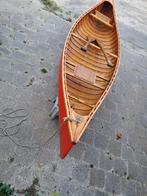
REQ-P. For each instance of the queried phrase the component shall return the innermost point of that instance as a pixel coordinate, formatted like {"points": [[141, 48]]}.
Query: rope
{"points": [[4, 129], [77, 119], [8, 114]]}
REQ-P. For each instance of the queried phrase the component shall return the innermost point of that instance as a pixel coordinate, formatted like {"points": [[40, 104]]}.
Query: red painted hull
{"points": [[65, 139]]}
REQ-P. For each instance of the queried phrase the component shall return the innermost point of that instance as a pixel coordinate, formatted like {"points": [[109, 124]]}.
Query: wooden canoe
{"points": [[89, 65]]}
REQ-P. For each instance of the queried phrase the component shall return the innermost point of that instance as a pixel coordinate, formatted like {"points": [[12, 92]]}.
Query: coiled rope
{"points": [[5, 129]]}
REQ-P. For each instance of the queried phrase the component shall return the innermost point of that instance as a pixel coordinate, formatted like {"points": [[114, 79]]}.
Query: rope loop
{"points": [[77, 119]]}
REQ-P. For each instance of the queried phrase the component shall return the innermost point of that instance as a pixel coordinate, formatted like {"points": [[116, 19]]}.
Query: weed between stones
{"points": [[52, 6], [43, 70]]}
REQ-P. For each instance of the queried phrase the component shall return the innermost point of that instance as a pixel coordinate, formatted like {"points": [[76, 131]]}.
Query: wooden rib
{"points": [[83, 59], [82, 83], [92, 54], [82, 88], [77, 36], [100, 64], [79, 61], [89, 62], [103, 33], [83, 95], [71, 63], [79, 105], [80, 100], [87, 27]]}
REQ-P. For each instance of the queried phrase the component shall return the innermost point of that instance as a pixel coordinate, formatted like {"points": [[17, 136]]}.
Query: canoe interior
{"points": [[87, 74]]}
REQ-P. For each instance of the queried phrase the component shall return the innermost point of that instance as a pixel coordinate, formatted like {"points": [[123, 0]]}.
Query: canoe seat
{"points": [[102, 18], [85, 74]]}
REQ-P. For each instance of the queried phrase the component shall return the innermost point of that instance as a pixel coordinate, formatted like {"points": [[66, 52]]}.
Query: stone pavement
{"points": [[32, 39]]}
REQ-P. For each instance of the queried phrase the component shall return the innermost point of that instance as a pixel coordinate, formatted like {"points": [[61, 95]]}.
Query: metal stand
{"points": [[55, 109]]}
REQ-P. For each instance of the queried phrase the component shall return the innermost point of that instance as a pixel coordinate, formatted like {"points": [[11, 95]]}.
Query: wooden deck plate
{"points": [[85, 74]]}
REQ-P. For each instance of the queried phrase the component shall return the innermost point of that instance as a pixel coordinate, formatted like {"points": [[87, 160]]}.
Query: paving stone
{"points": [[134, 171], [144, 145], [94, 124], [141, 189], [69, 164], [112, 184], [106, 161], [109, 104], [114, 148], [4, 51], [67, 188], [4, 165], [128, 153], [80, 173], [85, 192], [141, 158], [144, 175], [45, 156], [99, 193], [92, 156], [100, 141], [115, 119], [144, 120], [97, 178], [108, 130], [128, 187], [88, 136], [120, 167], [103, 113]]}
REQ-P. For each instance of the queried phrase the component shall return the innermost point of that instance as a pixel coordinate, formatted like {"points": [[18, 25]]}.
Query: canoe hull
{"points": [[70, 132], [65, 139]]}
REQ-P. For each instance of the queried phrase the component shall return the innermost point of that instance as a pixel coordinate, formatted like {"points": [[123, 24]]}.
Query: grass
{"points": [[31, 190], [6, 189], [52, 6]]}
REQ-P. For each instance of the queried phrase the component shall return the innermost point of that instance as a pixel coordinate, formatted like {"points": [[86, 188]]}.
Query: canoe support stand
{"points": [[55, 109]]}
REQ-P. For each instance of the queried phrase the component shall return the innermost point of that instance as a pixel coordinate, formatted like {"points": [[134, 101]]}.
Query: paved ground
{"points": [[31, 39]]}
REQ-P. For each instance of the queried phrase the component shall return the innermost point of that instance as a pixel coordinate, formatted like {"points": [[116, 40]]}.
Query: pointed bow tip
{"points": [[110, 1]]}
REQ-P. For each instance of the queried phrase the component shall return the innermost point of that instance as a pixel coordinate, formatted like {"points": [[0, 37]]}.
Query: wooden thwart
{"points": [[102, 18], [80, 100]]}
